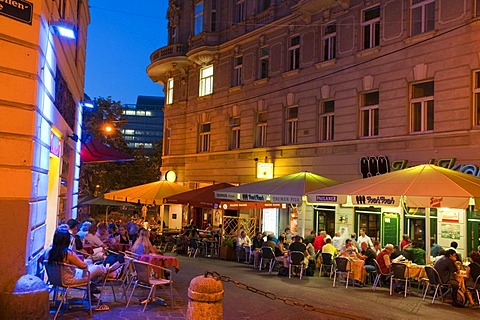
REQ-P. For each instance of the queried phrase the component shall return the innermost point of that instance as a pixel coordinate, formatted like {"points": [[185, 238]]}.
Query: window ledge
{"points": [[475, 21], [208, 96], [290, 73], [235, 89], [367, 52], [259, 82], [421, 132], [420, 37], [325, 64]]}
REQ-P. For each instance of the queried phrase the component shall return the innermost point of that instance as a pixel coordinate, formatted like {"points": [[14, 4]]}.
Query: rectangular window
{"points": [[369, 114], [173, 35], [422, 107], [261, 130], [263, 5], [239, 11], [206, 81], [198, 18], [213, 17], [327, 120], [291, 125], [167, 141], [477, 8], [423, 16], [371, 27], [169, 91], [329, 40], [264, 60], [237, 71], [294, 53], [234, 133], [476, 92], [204, 137]]}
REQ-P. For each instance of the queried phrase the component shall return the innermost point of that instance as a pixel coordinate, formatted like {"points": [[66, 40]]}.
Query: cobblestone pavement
{"points": [[242, 304]]}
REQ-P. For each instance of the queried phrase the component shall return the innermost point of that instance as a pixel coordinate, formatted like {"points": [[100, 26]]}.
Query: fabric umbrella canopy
{"points": [[93, 150], [105, 202], [202, 197], [286, 189], [426, 186], [150, 193]]}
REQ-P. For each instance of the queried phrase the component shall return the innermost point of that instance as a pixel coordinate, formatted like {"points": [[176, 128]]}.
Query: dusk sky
{"points": [[121, 36]]}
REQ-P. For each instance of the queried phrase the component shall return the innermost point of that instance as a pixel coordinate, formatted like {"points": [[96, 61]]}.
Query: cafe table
{"points": [[160, 260], [415, 271], [359, 272]]}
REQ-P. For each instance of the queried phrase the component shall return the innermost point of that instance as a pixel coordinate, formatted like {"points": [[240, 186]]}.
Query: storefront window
{"points": [[370, 220], [325, 220]]}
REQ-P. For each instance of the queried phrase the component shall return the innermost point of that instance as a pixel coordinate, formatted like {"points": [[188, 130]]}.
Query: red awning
{"points": [[202, 197], [94, 150], [237, 205]]}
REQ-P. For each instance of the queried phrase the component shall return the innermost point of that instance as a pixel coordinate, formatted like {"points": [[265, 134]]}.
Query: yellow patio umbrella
{"points": [[150, 193]]}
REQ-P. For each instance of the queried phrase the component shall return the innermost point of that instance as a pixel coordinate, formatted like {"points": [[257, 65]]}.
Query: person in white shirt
{"points": [[337, 240], [364, 238], [244, 242]]}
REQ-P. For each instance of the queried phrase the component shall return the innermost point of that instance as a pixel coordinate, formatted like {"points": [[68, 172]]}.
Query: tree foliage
{"points": [[109, 176]]}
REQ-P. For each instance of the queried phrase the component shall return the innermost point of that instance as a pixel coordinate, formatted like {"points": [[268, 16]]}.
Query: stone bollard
{"points": [[205, 299], [27, 298]]}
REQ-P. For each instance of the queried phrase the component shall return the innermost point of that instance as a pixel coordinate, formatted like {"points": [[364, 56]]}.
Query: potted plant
{"points": [[227, 249]]}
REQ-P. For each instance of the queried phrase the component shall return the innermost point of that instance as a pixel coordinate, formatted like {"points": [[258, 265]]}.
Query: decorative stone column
{"points": [[205, 299]]}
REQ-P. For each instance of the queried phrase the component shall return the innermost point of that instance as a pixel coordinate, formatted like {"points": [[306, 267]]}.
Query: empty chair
{"points": [[327, 262], [268, 256], [56, 271], [145, 279], [342, 267], [378, 276], [434, 281], [296, 259], [118, 277], [398, 275]]}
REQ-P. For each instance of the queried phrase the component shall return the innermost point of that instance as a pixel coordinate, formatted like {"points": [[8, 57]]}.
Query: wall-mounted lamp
{"points": [[63, 29], [255, 159], [87, 104], [73, 136]]}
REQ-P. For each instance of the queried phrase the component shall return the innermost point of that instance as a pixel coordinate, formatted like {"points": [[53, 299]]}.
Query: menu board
{"points": [[390, 226]]}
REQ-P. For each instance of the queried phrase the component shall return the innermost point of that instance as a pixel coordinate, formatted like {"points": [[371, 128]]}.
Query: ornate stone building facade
{"points": [[41, 89], [341, 88]]}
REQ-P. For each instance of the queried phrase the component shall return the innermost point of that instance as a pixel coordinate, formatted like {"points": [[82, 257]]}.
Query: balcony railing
{"points": [[172, 50]]}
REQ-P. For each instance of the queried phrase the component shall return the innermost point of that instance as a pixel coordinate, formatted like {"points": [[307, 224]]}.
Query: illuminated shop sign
{"points": [[54, 144], [19, 10], [252, 197], [376, 200], [326, 198], [264, 170]]}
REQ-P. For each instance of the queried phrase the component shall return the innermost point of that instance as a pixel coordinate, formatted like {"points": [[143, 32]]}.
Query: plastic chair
{"points": [[398, 275], [379, 275], [435, 281], [296, 259], [327, 262], [475, 288], [268, 255], [144, 279], [342, 266], [56, 271]]}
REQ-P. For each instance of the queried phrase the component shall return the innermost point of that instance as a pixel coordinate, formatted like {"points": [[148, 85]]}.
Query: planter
{"points": [[227, 253]]}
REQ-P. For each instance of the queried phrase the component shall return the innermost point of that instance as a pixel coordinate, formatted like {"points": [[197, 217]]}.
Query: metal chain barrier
{"points": [[288, 301]]}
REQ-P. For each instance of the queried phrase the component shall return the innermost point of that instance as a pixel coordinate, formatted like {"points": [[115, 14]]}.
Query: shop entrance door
{"points": [[417, 229], [325, 220]]}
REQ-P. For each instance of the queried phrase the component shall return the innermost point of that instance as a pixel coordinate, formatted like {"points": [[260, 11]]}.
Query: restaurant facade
{"points": [[41, 89], [343, 89]]}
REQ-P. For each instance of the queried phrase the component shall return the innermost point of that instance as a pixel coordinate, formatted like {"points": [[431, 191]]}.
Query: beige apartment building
{"points": [[42, 68], [340, 88]]}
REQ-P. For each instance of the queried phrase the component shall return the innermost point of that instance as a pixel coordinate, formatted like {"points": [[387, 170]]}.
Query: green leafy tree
{"points": [[99, 178]]}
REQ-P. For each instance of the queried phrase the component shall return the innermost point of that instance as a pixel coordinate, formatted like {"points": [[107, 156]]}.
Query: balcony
{"points": [[167, 59], [203, 48]]}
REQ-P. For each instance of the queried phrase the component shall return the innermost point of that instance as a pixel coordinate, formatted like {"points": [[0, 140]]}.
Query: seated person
{"points": [[416, 251], [102, 234], [348, 249], [329, 248], [143, 245], [280, 251], [473, 270], [244, 243], [434, 248], [446, 269], [298, 245], [257, 248], [383, 259], [368, 255], [59, 252], [93, 241]]}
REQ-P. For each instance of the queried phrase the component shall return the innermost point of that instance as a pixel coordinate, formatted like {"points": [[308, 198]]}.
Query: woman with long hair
{"points": [[143, 245], [60, 253]]}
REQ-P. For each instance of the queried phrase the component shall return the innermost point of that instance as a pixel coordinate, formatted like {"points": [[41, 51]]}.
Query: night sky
{"points": [[121, 36]]}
